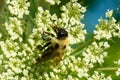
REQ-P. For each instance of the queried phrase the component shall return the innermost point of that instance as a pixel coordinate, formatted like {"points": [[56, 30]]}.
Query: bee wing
{"points": [[47, 55]]}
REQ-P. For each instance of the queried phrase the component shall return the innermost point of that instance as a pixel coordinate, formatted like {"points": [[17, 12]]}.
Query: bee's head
{"points": [[61, 33]]}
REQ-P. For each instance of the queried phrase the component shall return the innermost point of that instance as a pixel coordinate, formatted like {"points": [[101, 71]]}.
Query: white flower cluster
{"points": [[95, 52], [13, 60], [18, 7], [9, 48], [16, 57], [71, 68], [43, 23], [76, 67], [99, 76], [15, 28], [107, 28], [71, 16], [43, 19]]}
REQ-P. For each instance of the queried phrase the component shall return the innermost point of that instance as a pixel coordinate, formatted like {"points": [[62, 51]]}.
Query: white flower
{"points": [[52, 2], [69, 77], [0, 35], [117, 62], [23, 78], [63, 68], [109, 13], [109, 78], [99, 76], [46, 76], [95, 52], [25, 72], [52, 74], [18, 7], [82, 72], [106, 45], [13, 54], [10, 72], [118, 72], [0, 62], [107, 28], [74, 0], [14, 28], [63, 8], [32, 42], [83, 9], [56, 70]]}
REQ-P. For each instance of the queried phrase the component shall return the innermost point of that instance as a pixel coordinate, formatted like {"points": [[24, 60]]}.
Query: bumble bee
{"points": [[55, 47]]}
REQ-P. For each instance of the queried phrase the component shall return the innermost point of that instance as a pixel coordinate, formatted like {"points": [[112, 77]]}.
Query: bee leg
{"points": [[41, 48], [44, 37], [49, 34], [47, 44]]}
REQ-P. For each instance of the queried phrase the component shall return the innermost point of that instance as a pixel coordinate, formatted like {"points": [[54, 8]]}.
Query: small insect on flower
{"points": [[56, 46]]}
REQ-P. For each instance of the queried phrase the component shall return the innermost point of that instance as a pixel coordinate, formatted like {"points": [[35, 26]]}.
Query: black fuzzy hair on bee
{"points": [[61, 33]]}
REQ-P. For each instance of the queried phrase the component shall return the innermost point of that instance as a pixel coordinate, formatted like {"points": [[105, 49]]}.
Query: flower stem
{"points": [[107, 69], [81, 47], [30, 17]]}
